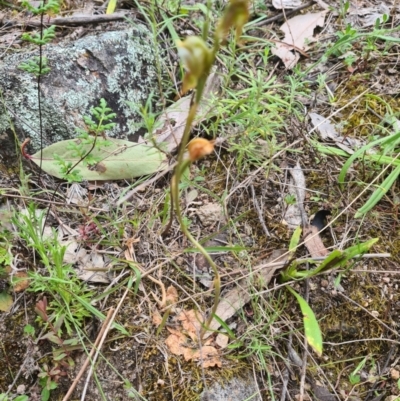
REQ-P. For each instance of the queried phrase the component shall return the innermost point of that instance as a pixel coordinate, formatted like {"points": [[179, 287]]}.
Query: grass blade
{"points": [[378, 193]]}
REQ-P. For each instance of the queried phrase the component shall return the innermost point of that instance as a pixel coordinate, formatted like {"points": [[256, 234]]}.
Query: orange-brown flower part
{"points": [[236, 15], [200, 147]]}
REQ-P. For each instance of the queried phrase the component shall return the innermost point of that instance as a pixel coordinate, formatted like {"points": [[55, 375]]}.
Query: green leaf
{"points": [[333, 260], [294, 241], [21, 398], [311, 326], [361, 152], [359, 249], [112, 4], [6, 301], [378, 193], [45, 394], [118, 161]]}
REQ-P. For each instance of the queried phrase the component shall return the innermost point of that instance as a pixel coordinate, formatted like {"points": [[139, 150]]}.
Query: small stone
{"points": [[386, 279], [375, 313], [394, 374], [306, 397], [180, 261], [324, 283], [210, 214], [21, 389], [237, 388]]}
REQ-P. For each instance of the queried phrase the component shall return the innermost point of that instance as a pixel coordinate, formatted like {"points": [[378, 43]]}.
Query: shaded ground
{"points": [[262, 112]]}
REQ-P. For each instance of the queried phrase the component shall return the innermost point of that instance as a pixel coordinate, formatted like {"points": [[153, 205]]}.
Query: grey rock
{"points": [[118, 66], [237, 389]]}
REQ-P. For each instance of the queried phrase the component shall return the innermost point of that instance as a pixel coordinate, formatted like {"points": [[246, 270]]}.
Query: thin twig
{"points": [[102, 341], [304, 361], [140, 187], [282, 15], [86, 363], [259, 211], [71, 21]]}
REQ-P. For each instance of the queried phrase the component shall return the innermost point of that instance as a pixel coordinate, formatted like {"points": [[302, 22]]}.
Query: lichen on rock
{"points": [[118, 66]]}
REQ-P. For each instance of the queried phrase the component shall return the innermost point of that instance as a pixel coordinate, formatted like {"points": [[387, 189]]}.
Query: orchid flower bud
{"points": [[199, 147], [236, 15], [196, 58]]}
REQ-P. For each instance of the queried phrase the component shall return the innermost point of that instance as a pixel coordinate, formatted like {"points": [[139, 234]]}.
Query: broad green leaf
{"points": [[112, 4], [118, 161], [378, 193], [359, 249], [311, 326], [6, 301], [22, 398], [330, 262]]}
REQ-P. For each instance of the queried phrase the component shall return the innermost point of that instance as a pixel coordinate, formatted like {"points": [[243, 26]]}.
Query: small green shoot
{"points": [[290, 199]]}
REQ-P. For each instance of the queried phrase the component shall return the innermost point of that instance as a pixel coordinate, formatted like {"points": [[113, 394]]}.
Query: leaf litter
{"points": [[185, 339], [299, 34], [184, 336]]}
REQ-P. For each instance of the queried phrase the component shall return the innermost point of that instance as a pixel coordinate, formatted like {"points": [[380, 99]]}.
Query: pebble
{"points": [[394, 374], [324, 283]]}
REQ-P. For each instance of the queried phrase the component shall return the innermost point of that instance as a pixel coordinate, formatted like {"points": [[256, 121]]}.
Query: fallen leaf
{"points": [[235, 299], [207, 355], [191, 322], [120, 159], [20, 281], [328, 131], [299, 33], [156, 318], [170, 125], [176, 341], [295, 214], [313, 241], [171, 296], [286, 4], [6, 301]]}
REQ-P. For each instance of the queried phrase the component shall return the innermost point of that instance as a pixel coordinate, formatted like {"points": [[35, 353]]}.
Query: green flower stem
{"points": [[183, 164], [217, 279]]}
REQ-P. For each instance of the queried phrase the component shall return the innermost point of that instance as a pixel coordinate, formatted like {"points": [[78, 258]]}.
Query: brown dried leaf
{"points": [[191, 322], [171, 124], [20, 281], [240, 295], [176, 341], [207, 355], [129, 251], [156, 318], [171, 296], [299, 33], [313, 241]]}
